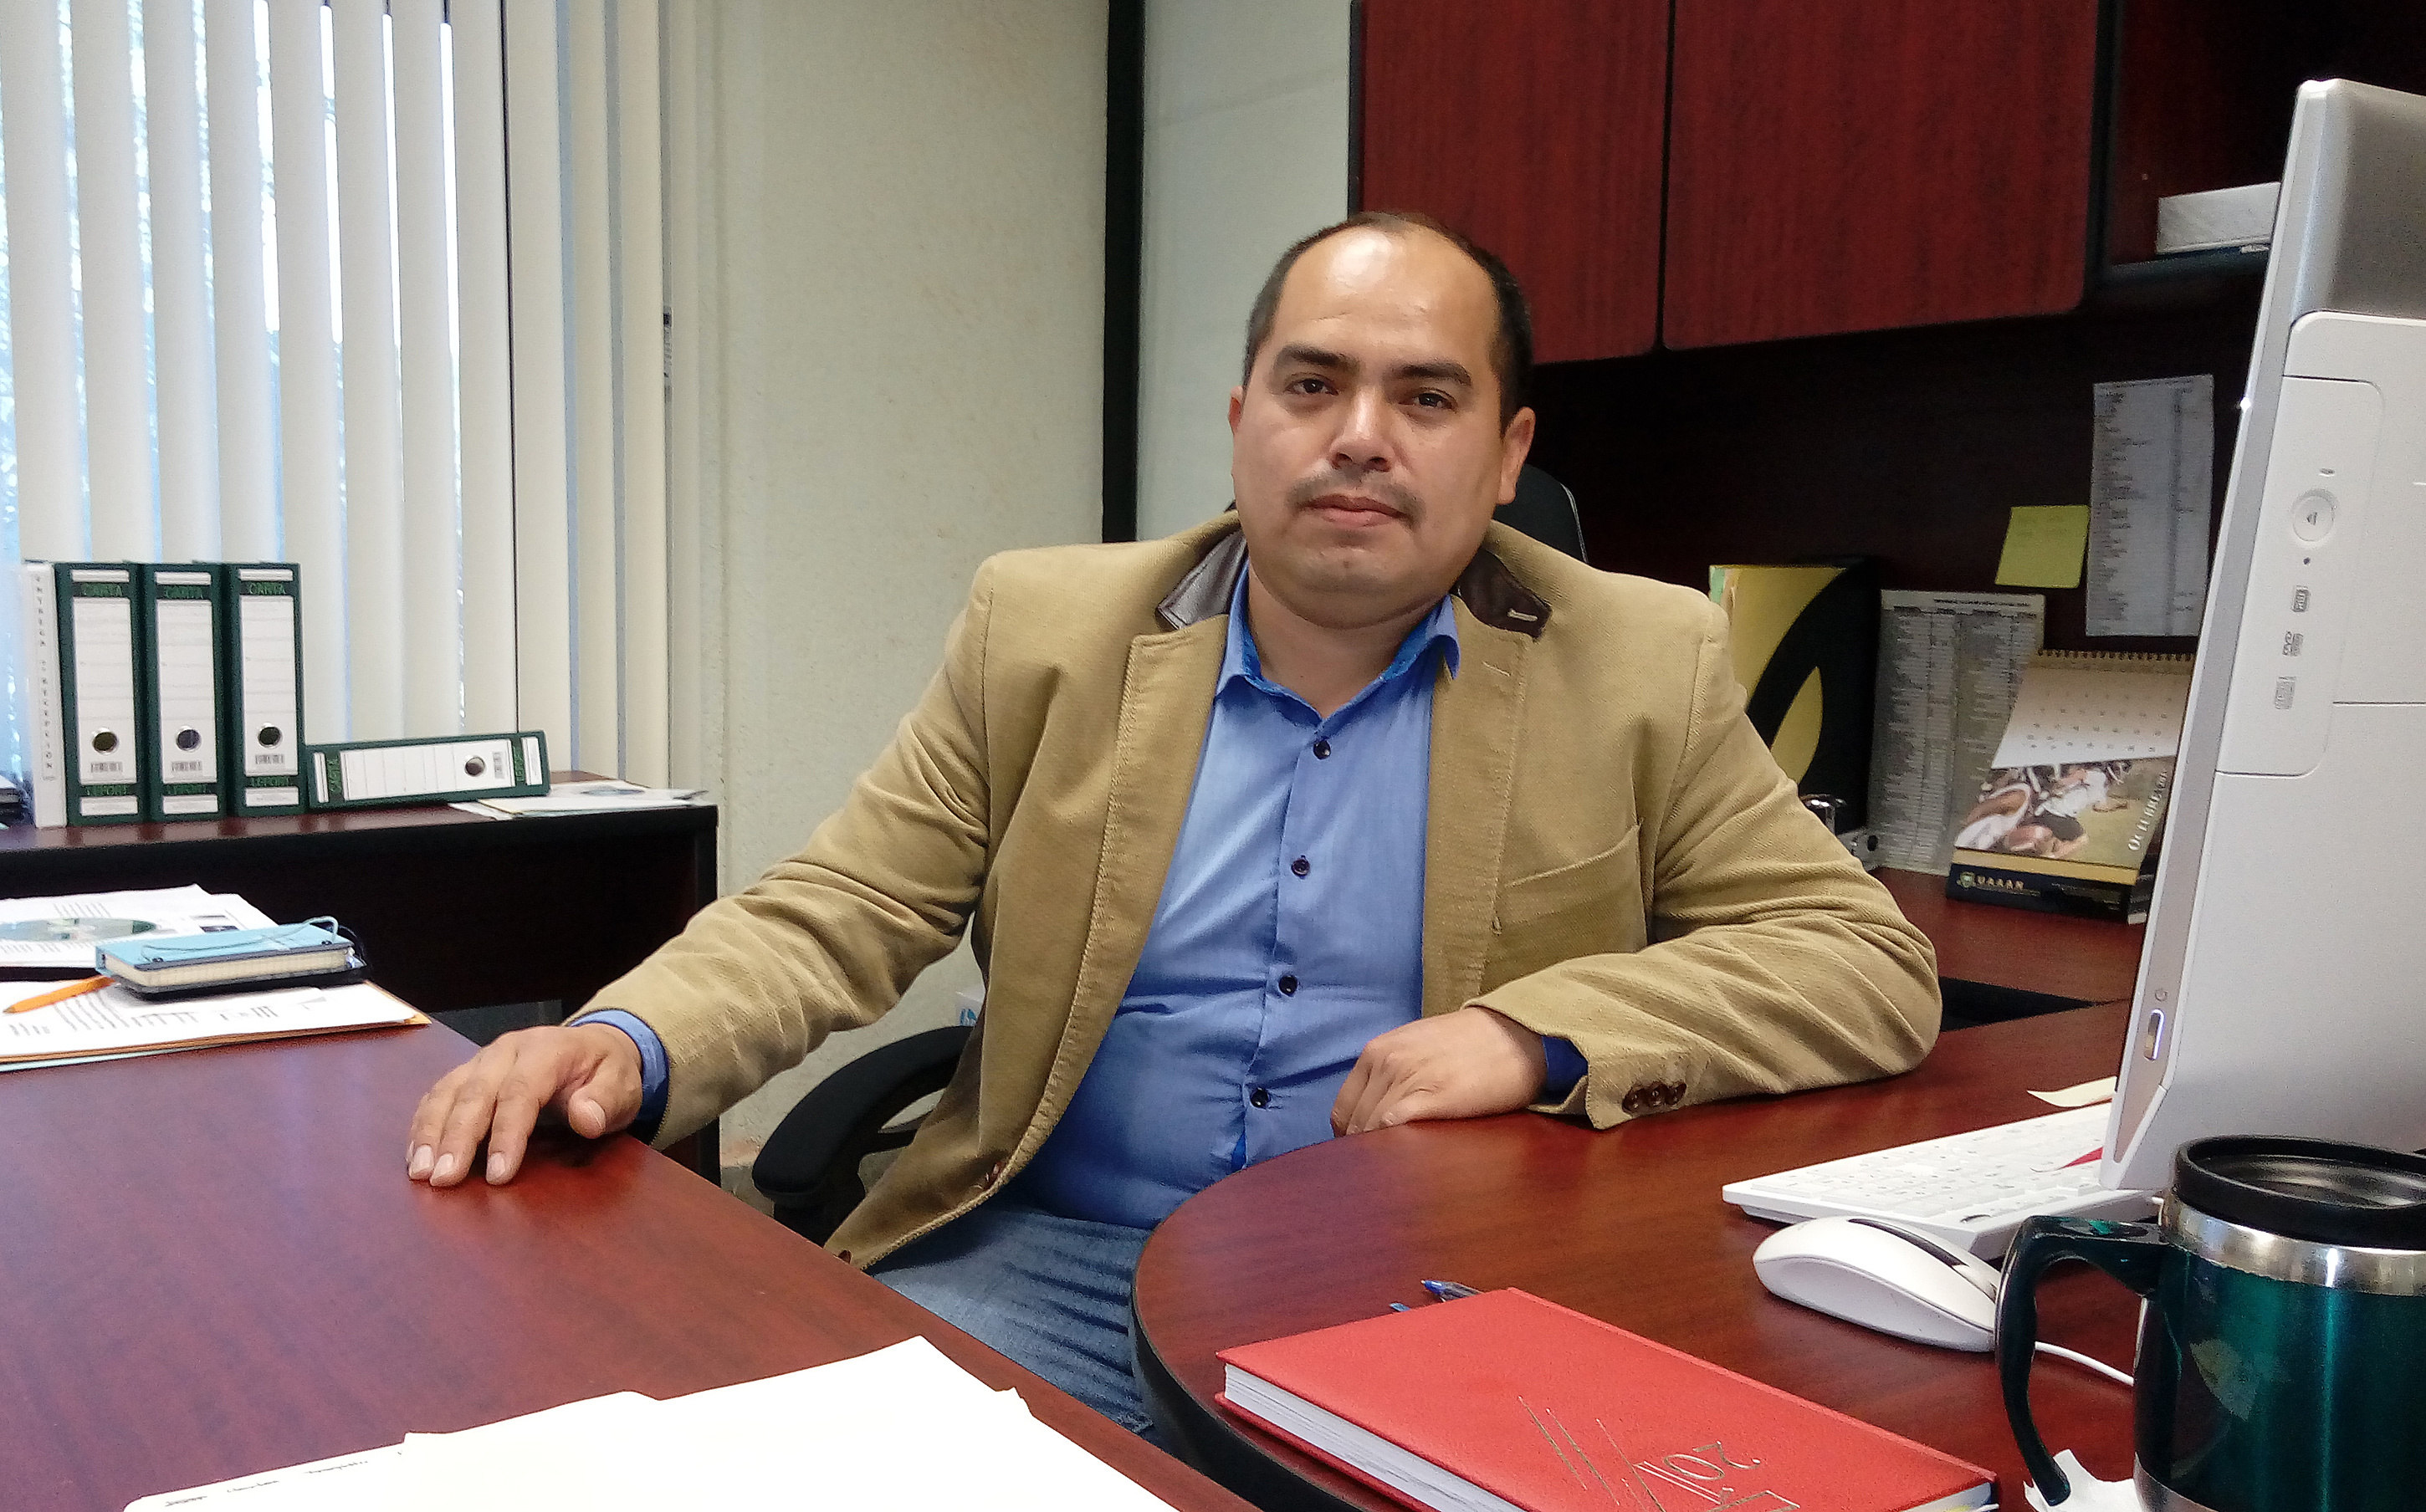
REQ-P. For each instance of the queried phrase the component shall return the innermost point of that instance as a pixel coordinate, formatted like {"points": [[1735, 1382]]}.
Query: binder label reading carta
{"points": [[189, 740]]}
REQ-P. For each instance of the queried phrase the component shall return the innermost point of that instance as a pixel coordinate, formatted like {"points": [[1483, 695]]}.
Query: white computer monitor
{"points": [[2283, 985]]}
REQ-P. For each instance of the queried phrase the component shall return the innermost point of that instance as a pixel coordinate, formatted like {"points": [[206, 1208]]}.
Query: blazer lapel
{"points": [[1166, 702], [1475, 719]]}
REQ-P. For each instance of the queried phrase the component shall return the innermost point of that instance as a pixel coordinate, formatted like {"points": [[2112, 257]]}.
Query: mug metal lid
{"points": [[2313, 1189]]}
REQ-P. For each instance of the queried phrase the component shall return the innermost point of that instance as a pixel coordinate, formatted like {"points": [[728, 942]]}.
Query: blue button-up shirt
{"points": [[1290, 933]]}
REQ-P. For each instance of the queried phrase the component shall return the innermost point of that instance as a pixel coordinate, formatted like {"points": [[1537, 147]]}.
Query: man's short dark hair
{"points": [[1512, 346]]}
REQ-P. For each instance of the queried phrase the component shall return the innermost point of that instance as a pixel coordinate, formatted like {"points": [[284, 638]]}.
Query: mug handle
{"points": [[2132, 1253]]}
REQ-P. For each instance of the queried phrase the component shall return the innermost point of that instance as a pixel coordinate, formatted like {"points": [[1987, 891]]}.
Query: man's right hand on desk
{"points": [[587, 1074]]}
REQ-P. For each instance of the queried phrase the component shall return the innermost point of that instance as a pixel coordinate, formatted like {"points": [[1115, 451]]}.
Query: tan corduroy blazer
{"points": [[1612, 856]]}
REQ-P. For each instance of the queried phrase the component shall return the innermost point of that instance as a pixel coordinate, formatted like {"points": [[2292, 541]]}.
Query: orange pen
{"points": [[60, 994]]}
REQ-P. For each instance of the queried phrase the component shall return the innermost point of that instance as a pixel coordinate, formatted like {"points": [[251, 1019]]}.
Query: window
{"points": [[262, 298]]}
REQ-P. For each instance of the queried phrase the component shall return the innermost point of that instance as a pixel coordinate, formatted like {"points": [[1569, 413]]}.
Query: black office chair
{"points": [[810, 1164], [1544, 508]]}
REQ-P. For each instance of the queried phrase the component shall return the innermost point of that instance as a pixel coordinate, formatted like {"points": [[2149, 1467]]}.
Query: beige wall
{"points": [[1246, 149], [900, 299]]}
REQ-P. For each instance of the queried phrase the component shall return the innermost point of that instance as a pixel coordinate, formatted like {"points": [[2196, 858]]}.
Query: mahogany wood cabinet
{"points": [[1533, 126], [1704, 172], [1856, 165]]}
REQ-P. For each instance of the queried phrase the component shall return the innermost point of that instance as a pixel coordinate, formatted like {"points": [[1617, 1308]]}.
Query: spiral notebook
{"points": [[2073, 809]]}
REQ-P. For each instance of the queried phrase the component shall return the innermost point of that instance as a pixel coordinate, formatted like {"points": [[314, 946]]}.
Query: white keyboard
{"points": [[1972, 1190]]}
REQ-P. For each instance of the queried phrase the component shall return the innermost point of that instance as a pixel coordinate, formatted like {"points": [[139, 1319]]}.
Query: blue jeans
{"points": [[1051, 1293]]}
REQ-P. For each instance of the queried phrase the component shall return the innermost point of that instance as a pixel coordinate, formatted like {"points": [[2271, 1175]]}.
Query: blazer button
{"points": [[843, 1255], [1636, 1100], [1676, 1093], [993, 1176]]}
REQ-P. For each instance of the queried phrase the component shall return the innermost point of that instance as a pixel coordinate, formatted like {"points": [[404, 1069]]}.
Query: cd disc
{"points": [[74, 931]]}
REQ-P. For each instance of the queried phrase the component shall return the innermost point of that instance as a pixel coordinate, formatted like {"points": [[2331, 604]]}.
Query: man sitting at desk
{"points": [[1350, 808]]}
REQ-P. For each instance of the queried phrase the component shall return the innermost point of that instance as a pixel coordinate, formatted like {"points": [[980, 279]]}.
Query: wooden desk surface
{"points": [[211, 1263], [1626, 1225], [2090, 960]]}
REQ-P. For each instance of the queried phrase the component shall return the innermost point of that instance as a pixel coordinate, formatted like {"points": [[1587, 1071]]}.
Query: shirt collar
{"points": [[1239, 658]]}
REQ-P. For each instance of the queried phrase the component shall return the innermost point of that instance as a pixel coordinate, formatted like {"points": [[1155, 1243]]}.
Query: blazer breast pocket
{"points": [[1588, 908]]}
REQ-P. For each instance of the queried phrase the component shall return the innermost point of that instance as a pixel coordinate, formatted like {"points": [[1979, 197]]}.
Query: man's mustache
{"points": [[1362, 485]]}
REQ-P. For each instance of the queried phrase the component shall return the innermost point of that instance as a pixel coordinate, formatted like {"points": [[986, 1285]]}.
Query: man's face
{"points": [[1366, 450]]}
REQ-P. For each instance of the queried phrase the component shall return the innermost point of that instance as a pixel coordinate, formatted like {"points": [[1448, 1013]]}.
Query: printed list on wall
{"points": [[2151, 501]]}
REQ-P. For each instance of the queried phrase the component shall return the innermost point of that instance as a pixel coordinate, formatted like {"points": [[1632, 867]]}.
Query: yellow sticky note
{"points": [[2043, 546]]}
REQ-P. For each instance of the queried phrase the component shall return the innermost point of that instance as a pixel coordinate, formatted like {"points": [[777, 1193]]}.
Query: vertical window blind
{"points": [[372, 285]]}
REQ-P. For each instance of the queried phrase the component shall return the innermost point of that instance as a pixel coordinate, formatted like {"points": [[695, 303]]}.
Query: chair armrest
{"points": [[850, 1106]]}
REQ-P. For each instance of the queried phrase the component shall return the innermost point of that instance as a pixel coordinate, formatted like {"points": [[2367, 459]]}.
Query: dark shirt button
{"points": [[1259, 1098], [1288, 987], [1300, 866], [1323, 751]]}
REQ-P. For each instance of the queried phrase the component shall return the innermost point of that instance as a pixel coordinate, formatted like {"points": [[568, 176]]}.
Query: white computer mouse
{"points": [[1886, 1276]]}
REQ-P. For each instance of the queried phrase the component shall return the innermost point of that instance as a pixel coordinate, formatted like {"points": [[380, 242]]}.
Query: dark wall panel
{"points": [[1910, 446]]}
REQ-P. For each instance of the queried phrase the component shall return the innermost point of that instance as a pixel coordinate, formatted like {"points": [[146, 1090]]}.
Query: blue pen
{"points": [[1450, 1290]]}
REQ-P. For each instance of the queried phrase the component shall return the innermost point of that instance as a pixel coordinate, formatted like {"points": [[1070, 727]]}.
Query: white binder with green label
{"points": [[101, 697], [260, 619], [179, 613], [367, 774]]}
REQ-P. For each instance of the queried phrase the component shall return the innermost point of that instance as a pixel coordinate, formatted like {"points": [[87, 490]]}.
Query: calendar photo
{"points": [[2095, 812]]}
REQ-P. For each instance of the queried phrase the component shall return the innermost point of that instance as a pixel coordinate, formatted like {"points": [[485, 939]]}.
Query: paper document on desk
{"points": [[589, 1453], [863, 1432], [2083, 1095], [602, 797], [870, 1425], [865, 1429], [116, 1022], [364, 1482], [58, 933]]}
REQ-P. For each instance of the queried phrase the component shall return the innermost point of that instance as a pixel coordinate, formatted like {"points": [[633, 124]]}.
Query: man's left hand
{"points": [[1462, 1065]]}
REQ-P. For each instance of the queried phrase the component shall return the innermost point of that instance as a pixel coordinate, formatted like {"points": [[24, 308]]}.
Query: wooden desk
{"points": [[453, 912], [211, 1263], [1990, 956], [1626, 1225]]}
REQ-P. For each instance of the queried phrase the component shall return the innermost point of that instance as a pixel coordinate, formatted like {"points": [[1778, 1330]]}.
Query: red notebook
{"points": [[1504, 1401]]}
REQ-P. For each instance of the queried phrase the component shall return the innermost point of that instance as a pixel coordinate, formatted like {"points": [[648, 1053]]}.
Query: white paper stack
{"points": [[903, 1428], [602, 796], [113, 1022]]}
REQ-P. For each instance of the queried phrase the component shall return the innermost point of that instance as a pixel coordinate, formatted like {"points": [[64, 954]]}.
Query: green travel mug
{"points": [[2281, 1356]]}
